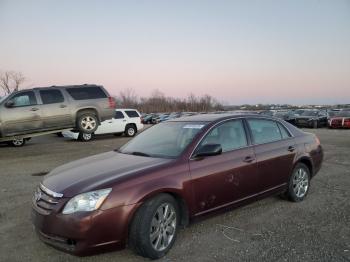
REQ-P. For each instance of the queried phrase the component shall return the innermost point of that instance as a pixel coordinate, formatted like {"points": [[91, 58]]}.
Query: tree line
{"points": [[158, 102]]}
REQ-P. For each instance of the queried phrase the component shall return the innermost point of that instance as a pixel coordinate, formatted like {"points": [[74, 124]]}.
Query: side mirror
{"points": [[10, 103], [209, 150]]}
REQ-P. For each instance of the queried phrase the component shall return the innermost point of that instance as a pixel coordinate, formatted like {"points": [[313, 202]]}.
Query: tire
{"points": [[59, 134], [84, 137], [146, 235], [314, 124], [130, 130], [87, 122], [17, 142], [299, 183]]}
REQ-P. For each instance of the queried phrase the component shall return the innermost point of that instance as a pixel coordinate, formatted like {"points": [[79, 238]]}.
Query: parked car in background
{"points": [[312, 118], [148, 119], [125, 121], [169, 175], [340, 119], [81, 107]]}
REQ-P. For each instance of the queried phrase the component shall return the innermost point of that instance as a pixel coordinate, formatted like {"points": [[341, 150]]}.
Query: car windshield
{"points": [[309, 113], [164, 140]]}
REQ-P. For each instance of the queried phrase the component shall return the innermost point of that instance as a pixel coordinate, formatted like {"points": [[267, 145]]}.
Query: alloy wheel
{"points": [[88, 123], [163, 227], [300, 182]]}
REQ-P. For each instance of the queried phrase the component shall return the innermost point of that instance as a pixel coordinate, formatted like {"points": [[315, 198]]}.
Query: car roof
{"points": [[217, 117]]}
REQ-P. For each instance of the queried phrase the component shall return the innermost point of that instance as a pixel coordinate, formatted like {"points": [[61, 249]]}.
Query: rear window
{"points": [[51, 96], [284, 131], [132, 113], [89, 92], [264, 131], [119, 115]]}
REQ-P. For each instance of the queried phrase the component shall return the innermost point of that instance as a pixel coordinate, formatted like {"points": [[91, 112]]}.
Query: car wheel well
{"points": [[131, 124], [308, 163], [87, 110], [184, 214]]}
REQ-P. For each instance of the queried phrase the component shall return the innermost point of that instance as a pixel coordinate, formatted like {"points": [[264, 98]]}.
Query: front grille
{"points": [[45, 200]]}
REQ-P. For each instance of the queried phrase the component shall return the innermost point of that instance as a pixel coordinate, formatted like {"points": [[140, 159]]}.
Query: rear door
{"points": [[275, 151], [24, 116], [55, 113], [223, 179]]}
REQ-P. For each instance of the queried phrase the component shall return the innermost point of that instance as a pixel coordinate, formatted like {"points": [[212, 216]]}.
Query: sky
{"points": [[271, 51]]}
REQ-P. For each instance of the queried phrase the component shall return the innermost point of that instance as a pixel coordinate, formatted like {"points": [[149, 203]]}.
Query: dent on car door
{"points": [[21, 114], [275, 150], [223, 179]]}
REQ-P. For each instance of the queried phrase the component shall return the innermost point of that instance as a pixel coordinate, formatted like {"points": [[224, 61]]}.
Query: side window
{"points": [[119, 115], [88, 92], [264, 131], [230, 135], [132, 113], [51, 96], [284, 131], [24, 99]]}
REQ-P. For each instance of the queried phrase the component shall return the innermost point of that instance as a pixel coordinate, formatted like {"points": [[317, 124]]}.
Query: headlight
{"points": [[87, 201]]}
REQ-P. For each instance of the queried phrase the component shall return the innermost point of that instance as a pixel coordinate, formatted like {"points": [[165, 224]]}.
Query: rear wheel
{"points": [[84, 137], [130, 130], [299, 183], [87, 122], [154, 227]]}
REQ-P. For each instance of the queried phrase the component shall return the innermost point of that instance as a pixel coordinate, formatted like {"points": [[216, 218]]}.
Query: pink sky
{"points": [[239, 51]]}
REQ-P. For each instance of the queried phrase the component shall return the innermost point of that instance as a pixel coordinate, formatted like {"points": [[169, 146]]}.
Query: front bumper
{"points": [[84, 233]]}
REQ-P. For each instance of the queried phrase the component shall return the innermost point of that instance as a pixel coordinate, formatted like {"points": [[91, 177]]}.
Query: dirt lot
{"points": [[317, 229]]}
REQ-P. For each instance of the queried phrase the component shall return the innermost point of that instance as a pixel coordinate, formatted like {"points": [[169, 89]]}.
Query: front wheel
{"points": [[85, 137], [299, 183], [154, 227]]}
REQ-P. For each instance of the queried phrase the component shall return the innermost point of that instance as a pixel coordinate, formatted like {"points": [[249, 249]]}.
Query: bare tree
{"points": [[10, 81], [128, 98]]}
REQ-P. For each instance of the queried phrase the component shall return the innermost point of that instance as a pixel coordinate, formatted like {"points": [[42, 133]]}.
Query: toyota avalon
{"points": [[169, 175]]}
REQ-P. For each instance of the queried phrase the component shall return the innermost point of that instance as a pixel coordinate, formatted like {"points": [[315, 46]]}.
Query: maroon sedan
{"points": [[169, 175]]}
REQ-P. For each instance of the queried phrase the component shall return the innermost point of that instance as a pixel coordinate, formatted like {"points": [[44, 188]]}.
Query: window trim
{"points": [[247, 130], [20, 92]]}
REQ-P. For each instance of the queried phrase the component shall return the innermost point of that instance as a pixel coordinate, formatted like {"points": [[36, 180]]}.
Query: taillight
{"points": [[111, 102]]}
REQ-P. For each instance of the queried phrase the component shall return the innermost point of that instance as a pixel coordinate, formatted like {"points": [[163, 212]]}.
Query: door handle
{"points": [[63, 106], [248, 159], [124, 120], [291, 148], [34, 109]]}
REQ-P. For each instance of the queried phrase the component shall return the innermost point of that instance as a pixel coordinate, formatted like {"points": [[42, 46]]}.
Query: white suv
{"points": [[125, 121]]}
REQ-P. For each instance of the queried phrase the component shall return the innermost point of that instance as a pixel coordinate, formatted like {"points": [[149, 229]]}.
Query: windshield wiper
{"points": [[136, 153]]}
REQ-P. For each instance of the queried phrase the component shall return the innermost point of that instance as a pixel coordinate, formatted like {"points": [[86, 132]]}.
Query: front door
{"points": [[22, 116], [223, 179]]}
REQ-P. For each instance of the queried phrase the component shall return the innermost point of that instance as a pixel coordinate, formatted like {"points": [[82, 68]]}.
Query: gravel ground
{"points": [[272, 229]]}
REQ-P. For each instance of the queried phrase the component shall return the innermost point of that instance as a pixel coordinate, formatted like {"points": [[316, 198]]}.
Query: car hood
{"points": [[96, 171]]}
